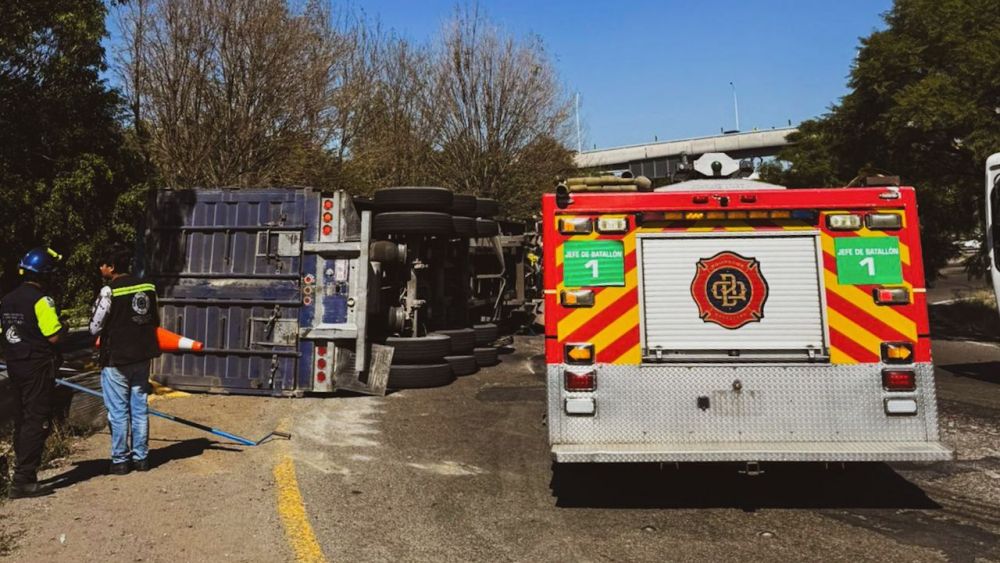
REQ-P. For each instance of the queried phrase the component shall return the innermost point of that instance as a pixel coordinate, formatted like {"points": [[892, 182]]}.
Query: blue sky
{"points": [[646, 68]]}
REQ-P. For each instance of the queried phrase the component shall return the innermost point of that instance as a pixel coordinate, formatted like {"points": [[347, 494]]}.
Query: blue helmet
{"points": [[40, 260]]}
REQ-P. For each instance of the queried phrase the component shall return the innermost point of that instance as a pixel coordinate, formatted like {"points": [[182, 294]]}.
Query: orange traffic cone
{"points": [[170, 342], [173, 342]]}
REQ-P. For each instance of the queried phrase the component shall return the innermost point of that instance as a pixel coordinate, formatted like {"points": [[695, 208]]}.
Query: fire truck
{"points": [[722, 319]]}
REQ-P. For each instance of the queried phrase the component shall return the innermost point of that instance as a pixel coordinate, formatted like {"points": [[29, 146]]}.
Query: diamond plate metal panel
{"points": [[652, 406]]}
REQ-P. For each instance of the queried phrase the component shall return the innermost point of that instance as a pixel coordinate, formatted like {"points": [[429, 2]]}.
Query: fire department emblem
{"points": [[729, 290]]}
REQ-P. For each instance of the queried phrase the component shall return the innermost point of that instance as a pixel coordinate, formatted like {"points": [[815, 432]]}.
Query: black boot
{"points": [[141, 465], [27, 490], [120, 468]]}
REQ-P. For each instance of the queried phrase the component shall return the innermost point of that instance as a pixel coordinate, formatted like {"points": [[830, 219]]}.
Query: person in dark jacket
{"points": [[31, 328], [125, 317]]}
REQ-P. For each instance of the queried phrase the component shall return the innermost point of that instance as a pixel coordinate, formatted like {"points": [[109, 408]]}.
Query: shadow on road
{"points": [[88, 469], [791, 485], [983, 371]]}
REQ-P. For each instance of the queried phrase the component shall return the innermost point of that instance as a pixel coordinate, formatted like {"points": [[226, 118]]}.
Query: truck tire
{"points": [[486, 207], [464, 226], [464, 205], [412, 223], [487, 228], [463, 340], [419, 350], [462, 365], [406, 198], [486, 334], [486, 356], [419, 376]]}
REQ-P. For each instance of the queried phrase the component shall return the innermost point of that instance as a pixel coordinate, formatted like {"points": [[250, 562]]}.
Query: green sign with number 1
{"points": [[593, 263], [868, 260]]}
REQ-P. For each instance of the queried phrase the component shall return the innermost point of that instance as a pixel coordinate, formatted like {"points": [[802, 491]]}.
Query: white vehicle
{"points": [[993, 219]]}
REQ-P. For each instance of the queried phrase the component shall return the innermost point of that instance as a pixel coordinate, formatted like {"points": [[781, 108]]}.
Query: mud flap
{"points": [[378, 374]]}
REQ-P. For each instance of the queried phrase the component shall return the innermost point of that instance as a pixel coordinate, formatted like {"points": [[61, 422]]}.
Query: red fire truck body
{"points": [[731, 323]]}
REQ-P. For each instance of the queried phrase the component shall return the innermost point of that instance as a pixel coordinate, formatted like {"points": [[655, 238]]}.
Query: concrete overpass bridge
{"points": [[660, 160]]}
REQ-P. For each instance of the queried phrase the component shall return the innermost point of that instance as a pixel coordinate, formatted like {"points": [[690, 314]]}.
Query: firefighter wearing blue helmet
{"points": [[31, 328]]}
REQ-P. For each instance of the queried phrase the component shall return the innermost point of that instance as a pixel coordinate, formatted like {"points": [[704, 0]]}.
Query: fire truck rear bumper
{"points": [[751, 451]]}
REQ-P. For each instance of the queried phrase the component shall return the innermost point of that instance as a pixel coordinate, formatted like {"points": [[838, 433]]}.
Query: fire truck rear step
{"points": [[751, 451]]}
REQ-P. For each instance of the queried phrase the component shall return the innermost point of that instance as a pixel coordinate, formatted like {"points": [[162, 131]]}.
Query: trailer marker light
{"points": [[780, 214], [758, 214], [737, 215], [320, 376], [891, 295], [575, 225], [321, 350], [577, 298], [612, 224], [715, 215], [327, 229], [843, 222], [327, 204], [580, 354], [897, 407], [321, 363], [897, 352], [694, 215], [898, 380], [884, 221], [673, 215], [580, 380], [327, 217]]}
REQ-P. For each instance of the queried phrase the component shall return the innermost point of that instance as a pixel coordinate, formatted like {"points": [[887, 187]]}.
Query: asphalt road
{"points": [[463, 473]]}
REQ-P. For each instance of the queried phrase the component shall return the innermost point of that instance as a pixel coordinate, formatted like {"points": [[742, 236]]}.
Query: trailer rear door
{"points": [[228, 266], [754, 296]]}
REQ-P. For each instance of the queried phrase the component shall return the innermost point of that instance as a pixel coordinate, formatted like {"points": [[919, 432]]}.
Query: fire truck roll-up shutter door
{"points": [[728, 297]]}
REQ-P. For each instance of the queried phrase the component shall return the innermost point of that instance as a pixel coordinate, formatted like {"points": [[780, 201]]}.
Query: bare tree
{"points": [[503, 113], [231, 92]]}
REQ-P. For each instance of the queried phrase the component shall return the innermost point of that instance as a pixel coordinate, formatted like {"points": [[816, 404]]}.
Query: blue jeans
{"points": [[126, 389]]}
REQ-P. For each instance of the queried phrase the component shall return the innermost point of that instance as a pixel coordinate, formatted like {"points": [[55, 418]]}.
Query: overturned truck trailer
{"points": [[298, 290]]}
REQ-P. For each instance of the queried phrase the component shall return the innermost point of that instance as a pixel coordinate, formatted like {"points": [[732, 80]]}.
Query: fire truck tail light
{"points": [[891, 295], [899, 380], [580, 354], [327, 204], [884, 221], [577, 380], [575, 225], [327, 229], [843, 222], [320, 376], [577, 298], [897, 352], [612, 224]]}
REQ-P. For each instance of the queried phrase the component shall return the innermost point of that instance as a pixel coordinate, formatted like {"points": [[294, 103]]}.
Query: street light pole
{"points": [[736, 106]]}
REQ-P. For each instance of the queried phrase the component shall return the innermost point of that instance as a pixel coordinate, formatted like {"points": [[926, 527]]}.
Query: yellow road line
{"points": [[293, 514]]}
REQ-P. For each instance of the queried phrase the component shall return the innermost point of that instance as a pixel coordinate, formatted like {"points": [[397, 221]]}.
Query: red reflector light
{"points": [[327, 204], [320, 376], [700, 199], [580, 381], [321, 350], [899, 380], [327, 229], [321, 363], [748, 198]]}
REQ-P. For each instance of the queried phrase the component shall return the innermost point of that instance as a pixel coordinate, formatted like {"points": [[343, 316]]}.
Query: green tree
{"points": [[924, 104], [66, 180]]}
